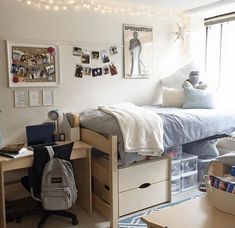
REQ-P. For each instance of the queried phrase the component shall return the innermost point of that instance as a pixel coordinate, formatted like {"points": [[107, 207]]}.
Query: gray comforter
{"points": [[181, 126]]}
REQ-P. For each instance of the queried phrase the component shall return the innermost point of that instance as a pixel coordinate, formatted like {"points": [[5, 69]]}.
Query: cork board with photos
{"points": [[32, 65]]}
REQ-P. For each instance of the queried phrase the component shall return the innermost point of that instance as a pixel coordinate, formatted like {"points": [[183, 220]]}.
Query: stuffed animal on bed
{"points": [[194, 81]]}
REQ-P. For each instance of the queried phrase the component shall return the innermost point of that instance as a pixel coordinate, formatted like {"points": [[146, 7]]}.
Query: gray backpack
{"points": [[58, 184]]}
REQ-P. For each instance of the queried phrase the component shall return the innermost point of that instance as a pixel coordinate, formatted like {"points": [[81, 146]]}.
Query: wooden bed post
{"points": [[113, 166], [108, 146]]}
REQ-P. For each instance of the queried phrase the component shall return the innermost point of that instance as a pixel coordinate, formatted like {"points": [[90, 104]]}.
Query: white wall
{"points": [[197, 41], [19, 22]]}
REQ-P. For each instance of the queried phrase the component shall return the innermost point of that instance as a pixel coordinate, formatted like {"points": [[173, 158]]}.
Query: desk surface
{"points": [[7, 163], [196, 213], [77, 145]]}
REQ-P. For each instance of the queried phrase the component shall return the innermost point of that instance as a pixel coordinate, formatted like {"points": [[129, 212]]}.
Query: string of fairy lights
{"points": [[99, 6]]}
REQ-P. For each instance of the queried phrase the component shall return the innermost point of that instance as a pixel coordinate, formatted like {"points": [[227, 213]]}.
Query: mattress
{"points": [[181, 126]]}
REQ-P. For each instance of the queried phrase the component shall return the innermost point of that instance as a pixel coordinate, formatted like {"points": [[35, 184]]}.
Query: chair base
{"points": [[45, 215]]}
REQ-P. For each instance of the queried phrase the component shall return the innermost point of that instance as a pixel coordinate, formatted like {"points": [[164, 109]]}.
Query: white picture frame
{"points": [[34, 98], [48, 98], [33, 65], [138, 54], [20, 98]]}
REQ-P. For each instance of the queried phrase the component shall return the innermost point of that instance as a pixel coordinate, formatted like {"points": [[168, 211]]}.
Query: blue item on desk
{"points": [[40, 135]]}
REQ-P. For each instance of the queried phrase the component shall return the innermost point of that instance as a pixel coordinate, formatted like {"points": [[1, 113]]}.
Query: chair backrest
{"points": [[41, 158]]}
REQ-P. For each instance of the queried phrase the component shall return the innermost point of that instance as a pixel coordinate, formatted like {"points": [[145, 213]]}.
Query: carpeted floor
{"points": [[134, 221]]}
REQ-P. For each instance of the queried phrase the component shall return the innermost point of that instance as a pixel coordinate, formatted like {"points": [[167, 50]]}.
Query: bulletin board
{"points": [[31, 65]]}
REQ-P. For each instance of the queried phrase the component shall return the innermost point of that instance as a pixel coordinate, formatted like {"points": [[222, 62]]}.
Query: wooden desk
{"points": [[82, 165], [196, 213]]}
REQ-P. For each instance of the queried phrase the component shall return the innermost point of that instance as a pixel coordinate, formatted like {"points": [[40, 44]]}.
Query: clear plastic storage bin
{"points": [[174, 152], [176, 184], [189, 180], [202, 167], [176, 167], [189, 162]]}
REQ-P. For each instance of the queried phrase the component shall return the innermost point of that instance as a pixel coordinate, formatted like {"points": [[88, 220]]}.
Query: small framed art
{"points": [[20, 98], [33, 65], [48, 97], [34, 98], [62, 137]]}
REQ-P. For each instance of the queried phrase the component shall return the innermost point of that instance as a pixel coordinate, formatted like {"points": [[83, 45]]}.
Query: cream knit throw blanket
{"points": [[142, 129]]}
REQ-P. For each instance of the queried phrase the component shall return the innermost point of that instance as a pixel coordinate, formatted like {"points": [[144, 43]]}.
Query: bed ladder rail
{"points": [[109, 146]]}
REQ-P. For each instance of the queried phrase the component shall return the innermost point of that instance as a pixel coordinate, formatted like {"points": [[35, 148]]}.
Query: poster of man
{"points": [[138, 41]]}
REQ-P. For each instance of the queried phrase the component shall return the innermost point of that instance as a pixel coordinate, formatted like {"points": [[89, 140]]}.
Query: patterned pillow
{"points": [[196, 98]]}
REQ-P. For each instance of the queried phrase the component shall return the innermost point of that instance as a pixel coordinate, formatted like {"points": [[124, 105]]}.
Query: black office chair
{"points": [[32, 183]]}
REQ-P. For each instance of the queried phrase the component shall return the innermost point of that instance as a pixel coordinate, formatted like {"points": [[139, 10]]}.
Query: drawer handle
{"points": [[145, 185], [107, 187]]}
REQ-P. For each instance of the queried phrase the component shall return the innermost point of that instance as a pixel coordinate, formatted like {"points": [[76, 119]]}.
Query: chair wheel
{"points": [[74, 221]]}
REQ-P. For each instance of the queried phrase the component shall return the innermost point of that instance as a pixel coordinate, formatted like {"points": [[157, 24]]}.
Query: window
{"points": [[220, 58]]}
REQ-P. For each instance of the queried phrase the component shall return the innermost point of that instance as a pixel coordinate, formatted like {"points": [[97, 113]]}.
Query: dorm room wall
{"points": [[19, 22]]}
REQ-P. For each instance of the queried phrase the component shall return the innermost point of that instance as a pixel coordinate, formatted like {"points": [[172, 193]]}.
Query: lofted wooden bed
{"points": [[119, 191]]}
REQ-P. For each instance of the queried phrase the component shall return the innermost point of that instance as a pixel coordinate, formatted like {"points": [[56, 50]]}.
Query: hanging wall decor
{"points": [[138, 42], [96, 62], [32, 65]]}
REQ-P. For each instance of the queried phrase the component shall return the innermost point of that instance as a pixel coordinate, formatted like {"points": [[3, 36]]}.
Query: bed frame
{"points": [[105, 177]]}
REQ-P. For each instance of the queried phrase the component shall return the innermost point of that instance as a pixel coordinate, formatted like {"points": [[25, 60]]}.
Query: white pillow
{"points": [[172, 97], [176, 79]]}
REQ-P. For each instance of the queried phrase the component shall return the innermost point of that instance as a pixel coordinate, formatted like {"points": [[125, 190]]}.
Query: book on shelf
{"points": [[14, 149]]}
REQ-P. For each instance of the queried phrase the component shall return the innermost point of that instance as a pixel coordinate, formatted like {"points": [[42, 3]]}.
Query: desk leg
{"points": [[2, 201], [82, 169]]}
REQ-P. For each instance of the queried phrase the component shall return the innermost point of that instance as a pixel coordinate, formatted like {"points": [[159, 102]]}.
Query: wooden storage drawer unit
{"points": [[143, 185], [140, 198], [144, 172]]}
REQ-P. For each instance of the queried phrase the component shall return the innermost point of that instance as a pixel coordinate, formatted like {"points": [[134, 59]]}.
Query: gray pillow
{"points": [[196, 98]]}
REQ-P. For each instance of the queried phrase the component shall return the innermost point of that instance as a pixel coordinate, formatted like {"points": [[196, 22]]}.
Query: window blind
{"points": [[219, 19]]}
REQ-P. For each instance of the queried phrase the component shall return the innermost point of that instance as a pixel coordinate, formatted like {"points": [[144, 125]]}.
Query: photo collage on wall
{"points": [[33, 64], [95, 63]]}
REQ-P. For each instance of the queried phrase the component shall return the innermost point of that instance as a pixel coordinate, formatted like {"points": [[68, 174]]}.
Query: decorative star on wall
{"points": [[181, 32]]}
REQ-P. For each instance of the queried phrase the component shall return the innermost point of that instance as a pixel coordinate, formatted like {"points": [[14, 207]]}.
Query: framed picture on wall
{"points": [[138, 57], [33, 65]]}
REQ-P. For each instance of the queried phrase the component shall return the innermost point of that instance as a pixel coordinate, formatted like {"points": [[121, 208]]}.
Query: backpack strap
{"points": [[50, 151]]}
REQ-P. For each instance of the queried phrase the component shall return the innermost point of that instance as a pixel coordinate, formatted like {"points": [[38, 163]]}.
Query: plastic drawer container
{"points": [[203, 167], [189, 180], [176, 184], [176, 167], [174, 152], [189, 162]]}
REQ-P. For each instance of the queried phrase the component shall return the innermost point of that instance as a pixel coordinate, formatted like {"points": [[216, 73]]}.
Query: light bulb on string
{"points": [[97, 6]]}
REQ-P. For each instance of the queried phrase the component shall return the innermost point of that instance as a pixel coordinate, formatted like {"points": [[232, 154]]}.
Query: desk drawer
{"points": [[140, 198], [148, 172]]}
